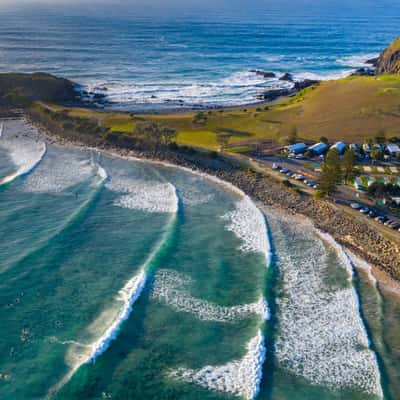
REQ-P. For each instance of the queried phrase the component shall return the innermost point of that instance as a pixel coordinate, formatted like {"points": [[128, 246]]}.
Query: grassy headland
{"points": [[350, 109]]}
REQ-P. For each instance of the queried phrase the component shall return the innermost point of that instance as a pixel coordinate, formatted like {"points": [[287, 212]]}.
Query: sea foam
{"points": [[321, 334], [248, 223], [238, 377], [149, 196], [24, 149], [171, 288], [128, 295], [61, 171]]}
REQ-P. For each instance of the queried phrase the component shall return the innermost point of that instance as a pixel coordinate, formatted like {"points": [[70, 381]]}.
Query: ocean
{"points": [[126, 279], [196, 54]]}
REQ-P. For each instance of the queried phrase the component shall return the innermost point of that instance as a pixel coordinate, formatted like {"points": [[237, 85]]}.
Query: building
{"points": [[297, 148], [318, 148], [393, 149], [340, 147], [355, 147]]}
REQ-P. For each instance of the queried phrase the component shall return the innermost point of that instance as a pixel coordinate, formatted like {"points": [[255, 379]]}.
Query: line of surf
{"points": [[241, 377], [24, 170], [349, 266], [171, 288]]}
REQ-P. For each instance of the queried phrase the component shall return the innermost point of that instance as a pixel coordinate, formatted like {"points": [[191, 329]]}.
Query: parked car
{"points": [[364, 210], [276, 166], [356, 206], [372, 214]]}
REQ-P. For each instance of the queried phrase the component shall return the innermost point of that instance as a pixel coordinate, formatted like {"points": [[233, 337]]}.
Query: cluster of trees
{"points": [[382, 190], [334, 169], [153, 134], [200, 118]]}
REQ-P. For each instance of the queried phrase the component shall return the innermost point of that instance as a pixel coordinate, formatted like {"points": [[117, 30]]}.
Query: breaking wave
{"points": [[170, 288], [248, 223], [239, 377], [157, 197], [321, 335], [128, 295], [25, 152], [63, 171]]}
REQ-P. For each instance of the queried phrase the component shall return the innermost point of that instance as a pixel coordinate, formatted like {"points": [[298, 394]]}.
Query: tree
{"points": [[223, 140], [200, 118], [324, 139], [348, 162], [154, 134], [377, 154], [330, 172]]}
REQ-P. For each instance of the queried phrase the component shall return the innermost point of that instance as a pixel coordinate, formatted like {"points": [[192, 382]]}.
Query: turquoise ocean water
{"points": [[123, 279]]}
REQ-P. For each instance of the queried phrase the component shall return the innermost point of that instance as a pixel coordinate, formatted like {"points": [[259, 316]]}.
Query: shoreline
{"points": [[268, 97], [378, 251]]}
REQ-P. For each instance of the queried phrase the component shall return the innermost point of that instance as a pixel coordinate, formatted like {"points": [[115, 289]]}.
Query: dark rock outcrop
{"points": [[300, 85], [286, 77], [389, 60], [364, 72], [274, 94], [264, 74], [373, 62]]}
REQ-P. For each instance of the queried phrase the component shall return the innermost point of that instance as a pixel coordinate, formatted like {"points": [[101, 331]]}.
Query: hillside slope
{"points": [[389, 61], [20, 89]]}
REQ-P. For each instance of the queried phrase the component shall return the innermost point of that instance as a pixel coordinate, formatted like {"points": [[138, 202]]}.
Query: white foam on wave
{"points": [[193, 192], [61, 171], [128, 295], [357, 60], [83, 353], [24, 149], [240, 87], [171, 288], [321, 334], [363, 265], [247, 222], [238, 377], [149, 196]]}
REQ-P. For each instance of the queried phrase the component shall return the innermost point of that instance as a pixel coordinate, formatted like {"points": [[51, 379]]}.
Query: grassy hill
{"points": [[21, 89], [350, 109]]}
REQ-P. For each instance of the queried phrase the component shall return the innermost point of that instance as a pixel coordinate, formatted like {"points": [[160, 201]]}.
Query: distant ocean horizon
{"points": [[150, 59]]}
